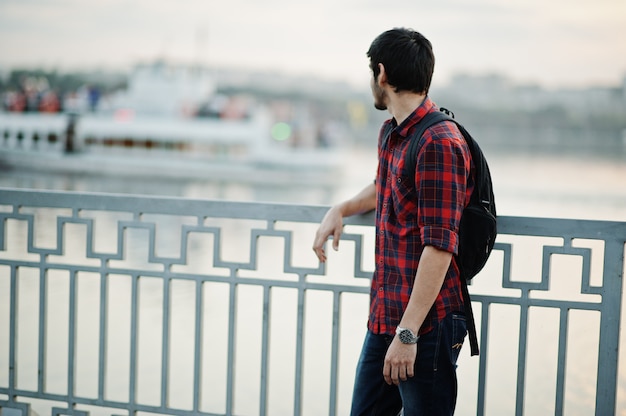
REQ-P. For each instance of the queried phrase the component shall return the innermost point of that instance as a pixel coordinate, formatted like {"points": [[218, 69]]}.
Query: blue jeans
{"points": [[431, 391]]}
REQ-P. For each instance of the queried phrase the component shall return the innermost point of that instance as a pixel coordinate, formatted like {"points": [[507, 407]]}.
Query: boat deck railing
{"points": [[150, 135], [119, 304]]}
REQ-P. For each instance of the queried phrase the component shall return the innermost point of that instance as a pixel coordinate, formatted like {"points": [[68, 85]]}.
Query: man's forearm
{"points": [[332, 223], [361, 203], [431, 272]]}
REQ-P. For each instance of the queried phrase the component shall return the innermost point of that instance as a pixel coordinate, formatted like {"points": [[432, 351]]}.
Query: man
{"points": [[416, 326]]}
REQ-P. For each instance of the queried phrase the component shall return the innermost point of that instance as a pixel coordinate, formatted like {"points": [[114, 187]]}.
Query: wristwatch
{"points": [[407, 336]]}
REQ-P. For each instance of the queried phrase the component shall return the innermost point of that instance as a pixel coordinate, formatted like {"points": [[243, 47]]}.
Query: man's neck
{"points": [[402, 104]]}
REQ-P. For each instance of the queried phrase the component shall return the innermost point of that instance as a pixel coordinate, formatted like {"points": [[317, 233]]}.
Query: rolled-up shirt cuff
{"points": [[441, 238]]}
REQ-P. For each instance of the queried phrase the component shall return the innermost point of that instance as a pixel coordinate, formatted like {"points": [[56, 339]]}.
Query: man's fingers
{"points": [[321, 255], [387, 373], [331, 226], [318, 244], [392, 374], [395, 375], [318, 248], [336, 238], [402, 373], [409, 371]]}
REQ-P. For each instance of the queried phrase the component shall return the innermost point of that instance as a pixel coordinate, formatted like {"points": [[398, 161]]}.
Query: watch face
{"points": [[407, 337]]}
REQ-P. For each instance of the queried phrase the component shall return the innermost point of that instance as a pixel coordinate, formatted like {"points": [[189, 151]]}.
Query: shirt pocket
{"points": [[403, 195]]}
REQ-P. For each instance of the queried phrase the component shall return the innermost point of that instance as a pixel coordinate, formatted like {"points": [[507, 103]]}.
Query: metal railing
{"points": [[114, 304]]}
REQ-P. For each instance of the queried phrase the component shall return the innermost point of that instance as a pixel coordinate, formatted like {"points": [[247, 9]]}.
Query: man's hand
{"points": [[399, 362], [332, 224]]}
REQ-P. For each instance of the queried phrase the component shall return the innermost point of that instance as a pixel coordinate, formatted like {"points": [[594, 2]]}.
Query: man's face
{"points": [[379, 94]]}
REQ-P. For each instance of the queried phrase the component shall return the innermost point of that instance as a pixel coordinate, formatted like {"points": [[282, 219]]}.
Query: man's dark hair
{"points": [[407, 57]]}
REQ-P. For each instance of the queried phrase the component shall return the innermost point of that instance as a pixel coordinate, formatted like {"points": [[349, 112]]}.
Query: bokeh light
{"points": [[281, 131]]}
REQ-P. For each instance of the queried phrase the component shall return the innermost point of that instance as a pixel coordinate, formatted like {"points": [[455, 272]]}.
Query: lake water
{"points": [[583, 186], [533, 185]]}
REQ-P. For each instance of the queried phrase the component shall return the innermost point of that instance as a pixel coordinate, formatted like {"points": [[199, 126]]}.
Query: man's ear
{"points": [[382, 76]]}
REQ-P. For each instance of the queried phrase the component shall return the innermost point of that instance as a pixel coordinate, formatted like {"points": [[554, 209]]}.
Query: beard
{"points": [[380, 106], [379, 97]]}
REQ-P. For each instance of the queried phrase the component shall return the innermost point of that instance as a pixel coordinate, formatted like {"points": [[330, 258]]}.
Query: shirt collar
{"points": [[405, 127]]}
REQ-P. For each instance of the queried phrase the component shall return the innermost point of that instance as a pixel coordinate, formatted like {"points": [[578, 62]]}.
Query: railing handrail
{"points": [[540, 226]]}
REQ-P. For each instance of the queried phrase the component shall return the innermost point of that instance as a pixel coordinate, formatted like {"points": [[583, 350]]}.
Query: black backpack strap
{"points": [[469, 318], [429, 120], [410, 164], [386, 133]]}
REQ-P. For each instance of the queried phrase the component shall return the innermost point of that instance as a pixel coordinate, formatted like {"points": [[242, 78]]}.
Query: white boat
{"points": [[140, 132]]}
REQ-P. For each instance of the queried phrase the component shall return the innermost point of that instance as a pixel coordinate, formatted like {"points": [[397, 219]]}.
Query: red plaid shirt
{"points": [[409, 217]]}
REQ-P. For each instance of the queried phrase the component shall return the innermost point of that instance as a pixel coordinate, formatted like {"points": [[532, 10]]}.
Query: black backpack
{"points": [[478, 227]]}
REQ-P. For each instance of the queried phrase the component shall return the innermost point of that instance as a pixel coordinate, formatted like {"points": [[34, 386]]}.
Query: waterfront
{"points": [[551, 187], [575, 185]]}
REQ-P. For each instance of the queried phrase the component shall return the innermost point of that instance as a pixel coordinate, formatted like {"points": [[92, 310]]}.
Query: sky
{"points": [[553, 43]]}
